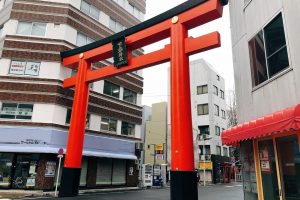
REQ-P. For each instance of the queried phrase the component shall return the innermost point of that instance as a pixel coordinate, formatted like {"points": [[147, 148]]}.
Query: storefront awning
{"points": [[54, 150], [284, 120]]}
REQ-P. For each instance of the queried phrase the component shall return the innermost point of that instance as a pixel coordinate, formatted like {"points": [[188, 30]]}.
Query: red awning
{"points": [[284, 120]]}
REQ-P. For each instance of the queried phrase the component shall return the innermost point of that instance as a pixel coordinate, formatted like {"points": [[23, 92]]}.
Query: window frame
{"points": [[222, 94], [202, 105], [111, 90], [133, 129], [31, 28], [16, 116], [109, 124], [223, 114], [201, 89], [215, 90], [131, 93], [283, 70], [216, 108], [87, 39], [217, 130], [89, 13]]}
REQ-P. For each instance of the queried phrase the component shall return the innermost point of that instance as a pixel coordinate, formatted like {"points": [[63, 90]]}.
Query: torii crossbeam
{"points": [[175, 24]]}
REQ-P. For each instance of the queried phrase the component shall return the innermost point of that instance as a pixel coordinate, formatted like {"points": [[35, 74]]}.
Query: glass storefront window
{"points": [[248, 170], [268, 170], [289, 161], [5, 169]]}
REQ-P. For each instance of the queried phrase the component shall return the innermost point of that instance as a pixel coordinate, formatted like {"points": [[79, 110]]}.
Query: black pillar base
{"points": [[184, 185], [69, 184]]}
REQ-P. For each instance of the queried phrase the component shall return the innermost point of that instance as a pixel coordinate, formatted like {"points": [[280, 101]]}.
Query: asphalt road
{"points": [[215, 192]]}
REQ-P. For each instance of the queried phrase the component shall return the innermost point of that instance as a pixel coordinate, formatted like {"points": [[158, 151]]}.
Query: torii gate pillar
{"points": [[183, 176]]}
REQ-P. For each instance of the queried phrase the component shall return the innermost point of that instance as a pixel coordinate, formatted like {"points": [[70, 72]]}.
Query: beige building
{"points": [[156, 135]]}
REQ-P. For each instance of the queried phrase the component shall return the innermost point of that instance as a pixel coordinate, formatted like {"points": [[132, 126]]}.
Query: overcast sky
{"points": [[155, 78]]}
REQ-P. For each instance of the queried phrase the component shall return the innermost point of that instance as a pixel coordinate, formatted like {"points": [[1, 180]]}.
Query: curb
{"points": [[40, 193]]}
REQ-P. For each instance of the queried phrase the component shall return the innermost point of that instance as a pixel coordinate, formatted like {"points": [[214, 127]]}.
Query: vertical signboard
{"points": [[120, 52]]}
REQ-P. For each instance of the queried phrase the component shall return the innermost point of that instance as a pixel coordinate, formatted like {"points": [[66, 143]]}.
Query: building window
{"points": [[225, 151], [217, 130], [108, 124], [204, 130], [216, 90], [16, 111], [82, 39], [134, 11], [111, 89], [31, 28], [202, 109], [115, 26], [268, 52], [90, 10], [127, 129], [218, 150], [207, 150], [217, 112], [68, 118], [222, 94], [129, 96], [203, 89], [223, 114], [24, 68]]}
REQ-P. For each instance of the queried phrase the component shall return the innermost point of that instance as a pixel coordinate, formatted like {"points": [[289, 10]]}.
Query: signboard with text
{"points": [[24, 68], [120, 52]]}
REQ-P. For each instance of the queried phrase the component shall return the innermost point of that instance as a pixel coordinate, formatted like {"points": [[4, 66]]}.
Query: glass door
{"points": [[289, 162], [269, 173]]}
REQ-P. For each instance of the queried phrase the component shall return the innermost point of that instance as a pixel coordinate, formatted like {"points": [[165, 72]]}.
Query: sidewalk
{"points": [[13, 194]]}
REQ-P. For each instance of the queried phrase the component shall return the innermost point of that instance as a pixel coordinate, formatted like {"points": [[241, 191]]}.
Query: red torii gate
{"points": [[175, 24]]}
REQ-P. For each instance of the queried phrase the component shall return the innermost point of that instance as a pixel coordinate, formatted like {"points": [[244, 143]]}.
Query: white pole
{"points": [[204, 171], [57, 176]]}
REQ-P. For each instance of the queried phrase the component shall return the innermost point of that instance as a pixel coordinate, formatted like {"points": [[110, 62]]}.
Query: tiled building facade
{"points": [[35, 109]]}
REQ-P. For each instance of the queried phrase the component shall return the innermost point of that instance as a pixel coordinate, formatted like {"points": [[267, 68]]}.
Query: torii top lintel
{"points": [[191, 14]]}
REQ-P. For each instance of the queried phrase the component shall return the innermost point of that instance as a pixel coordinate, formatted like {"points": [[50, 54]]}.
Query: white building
{"points": [[208, 108], [266, 46]]}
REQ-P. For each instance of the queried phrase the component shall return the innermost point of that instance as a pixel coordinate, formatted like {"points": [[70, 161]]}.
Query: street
{"points": [[214, 192]]}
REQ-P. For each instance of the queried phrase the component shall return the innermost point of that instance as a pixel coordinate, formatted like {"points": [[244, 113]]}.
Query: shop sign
{"points": [[17, 67], [120, 52], [130, 171], [205, 165], [159, 156], [159, 147], [30, 182], [50, 169], [265, 160], [24, 68]]}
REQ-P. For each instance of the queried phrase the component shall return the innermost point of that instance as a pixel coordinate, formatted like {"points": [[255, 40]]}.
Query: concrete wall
{"points": [[270, 96]]}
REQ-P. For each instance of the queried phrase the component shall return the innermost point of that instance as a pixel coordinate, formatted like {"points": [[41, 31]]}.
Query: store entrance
{"points": [[289, 163], [280, 168], [24, 171]]}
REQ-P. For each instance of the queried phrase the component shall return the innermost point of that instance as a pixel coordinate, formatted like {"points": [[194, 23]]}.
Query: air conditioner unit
{"points": [[202, 157], [208, 157], [139, 146]]}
